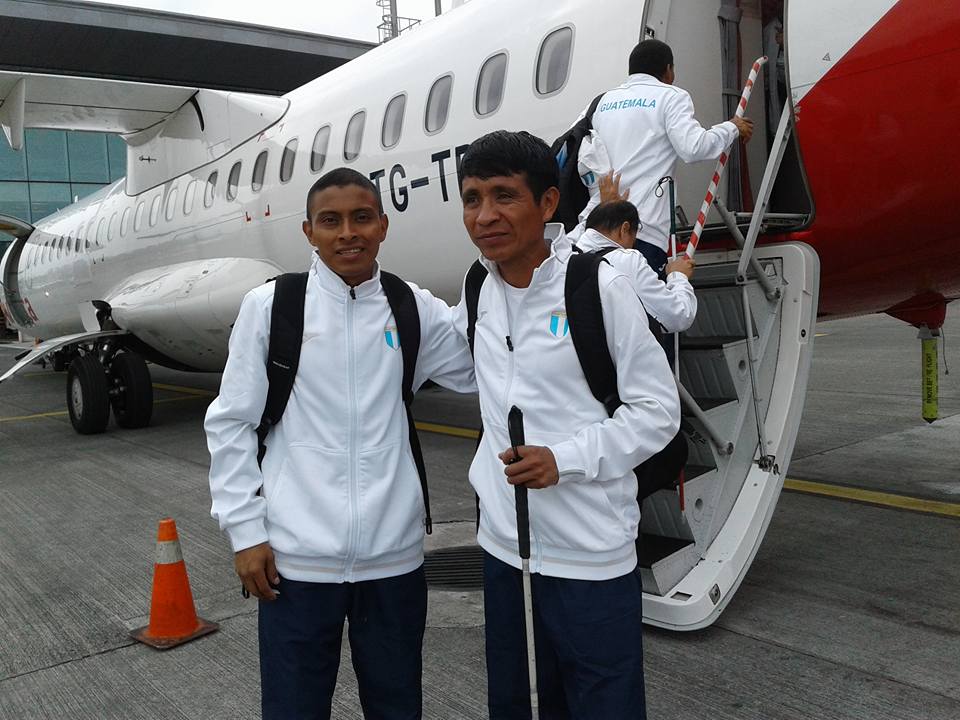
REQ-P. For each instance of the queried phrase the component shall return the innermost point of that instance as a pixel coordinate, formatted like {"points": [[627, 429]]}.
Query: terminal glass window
{"points": [[188, 197], [259, 170], [13, 163], [393, 121], [490, 84], [287, 160], [353, 139], [438, 104], [171, 204], [553, 62], [233, 180], [209, 189], [46, 155], [14, 200], [48, 197], [318, 156], [87, 153], [154, 211]]}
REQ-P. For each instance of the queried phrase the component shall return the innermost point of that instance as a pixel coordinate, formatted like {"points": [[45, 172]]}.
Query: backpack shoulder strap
{"points": [[587, 329], [592, 109], [474, 281], [283, 353], [403, 305]]}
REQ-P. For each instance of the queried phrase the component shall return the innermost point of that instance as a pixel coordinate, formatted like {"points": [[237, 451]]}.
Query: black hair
{"points": [[611, 215], [503, 153], [651, 57], [342, 177]]}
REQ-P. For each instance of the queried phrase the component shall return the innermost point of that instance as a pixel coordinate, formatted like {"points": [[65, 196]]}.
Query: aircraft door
{"points": [[11, 301]]}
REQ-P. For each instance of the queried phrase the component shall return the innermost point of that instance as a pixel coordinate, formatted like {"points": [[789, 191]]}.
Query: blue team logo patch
{"points": [[559, 327], [392, 337]]}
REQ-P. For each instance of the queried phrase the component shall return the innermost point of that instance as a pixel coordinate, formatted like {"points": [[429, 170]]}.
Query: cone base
{"points": [[204, 627]]}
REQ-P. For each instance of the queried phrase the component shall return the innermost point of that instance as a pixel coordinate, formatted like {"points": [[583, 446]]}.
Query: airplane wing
{"points": [[49, 346], [168, 130]]}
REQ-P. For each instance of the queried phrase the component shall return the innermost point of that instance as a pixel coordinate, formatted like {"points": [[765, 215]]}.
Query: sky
{"points": [[343, 18]]}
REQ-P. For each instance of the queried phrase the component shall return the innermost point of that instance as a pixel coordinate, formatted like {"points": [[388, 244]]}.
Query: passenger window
{"points": [[138, 217], [171, 204], [233, 180], [76, 240], [91, 237], [124, 222], [59, 242], [287, 159], [438, 104], [353, 139], [553, 61], [154, 211], [490, 84], [393, 121], [209, 189], [102, 232], [188, 197], [318, 155], [259, 170], [112, 228]]}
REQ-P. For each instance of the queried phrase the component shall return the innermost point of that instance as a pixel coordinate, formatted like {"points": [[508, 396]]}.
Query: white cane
{"points": [[515, 428], [722, 162]]}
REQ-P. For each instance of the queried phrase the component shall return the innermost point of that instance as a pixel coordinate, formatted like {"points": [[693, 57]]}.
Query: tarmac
{"points": [[850, 610]]}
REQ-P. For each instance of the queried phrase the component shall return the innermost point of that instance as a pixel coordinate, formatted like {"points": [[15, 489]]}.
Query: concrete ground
{"points": [[850, 610]]}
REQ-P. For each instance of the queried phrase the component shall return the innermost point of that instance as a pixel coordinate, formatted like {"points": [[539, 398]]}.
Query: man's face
{"points": [[346, 228], [502, 217]]}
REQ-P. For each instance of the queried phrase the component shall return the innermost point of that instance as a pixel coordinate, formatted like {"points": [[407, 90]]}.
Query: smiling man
{"points": [[331, 526], [578, 462]]}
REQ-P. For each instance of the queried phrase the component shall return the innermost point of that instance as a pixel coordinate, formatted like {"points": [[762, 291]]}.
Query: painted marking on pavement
{"points": [[874, 497], [63, 413]]}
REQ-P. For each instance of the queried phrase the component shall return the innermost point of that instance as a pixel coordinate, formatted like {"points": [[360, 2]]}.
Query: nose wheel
{"points": [[93, 388]]}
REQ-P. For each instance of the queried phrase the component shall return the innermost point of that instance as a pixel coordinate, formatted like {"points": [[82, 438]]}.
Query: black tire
{"points": [[88, 398], [133, 401]]}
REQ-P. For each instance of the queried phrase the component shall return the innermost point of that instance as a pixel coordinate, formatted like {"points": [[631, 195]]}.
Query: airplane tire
{"points": [[88, 398], [133, 405]]}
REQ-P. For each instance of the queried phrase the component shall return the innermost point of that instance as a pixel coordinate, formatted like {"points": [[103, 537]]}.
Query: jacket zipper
{"points": [[352, 444]]}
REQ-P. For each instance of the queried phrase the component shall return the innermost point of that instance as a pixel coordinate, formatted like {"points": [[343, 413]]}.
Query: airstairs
{"points": [[743, 370]]}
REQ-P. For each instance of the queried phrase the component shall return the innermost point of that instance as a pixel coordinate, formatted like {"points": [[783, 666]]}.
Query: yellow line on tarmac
{"points": [[62, 413], [187, 390], [451, 430], [873, 497]]}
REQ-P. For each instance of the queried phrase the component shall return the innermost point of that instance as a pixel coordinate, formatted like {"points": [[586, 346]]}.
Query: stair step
{"points": [[711, 342], [651, 549], [693, 471], [707, 404]]}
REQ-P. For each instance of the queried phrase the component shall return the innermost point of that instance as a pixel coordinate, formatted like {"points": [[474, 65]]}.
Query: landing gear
{"points": [[98, 380], [132, 392], [88, 399]]}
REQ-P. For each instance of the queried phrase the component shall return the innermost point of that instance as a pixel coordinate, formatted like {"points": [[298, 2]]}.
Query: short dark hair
{"points": [[503, 153], [611, 215], [342, 177], [651, 57]]}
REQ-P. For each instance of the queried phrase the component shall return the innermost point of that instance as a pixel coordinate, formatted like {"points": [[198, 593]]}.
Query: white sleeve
{"points": [[444, 354], [650, 414], [673, 304], [691, 141], [231, 424]]}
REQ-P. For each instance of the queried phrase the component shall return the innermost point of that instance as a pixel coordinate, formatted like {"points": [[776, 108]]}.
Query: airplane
{"points": [[840, 203]]}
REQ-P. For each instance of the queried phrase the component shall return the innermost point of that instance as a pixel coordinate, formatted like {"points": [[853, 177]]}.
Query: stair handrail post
{"points": [[723, 446], [773, 292]]}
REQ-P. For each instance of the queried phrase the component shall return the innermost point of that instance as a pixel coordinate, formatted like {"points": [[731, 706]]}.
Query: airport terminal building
{"points": [[56, 168]]}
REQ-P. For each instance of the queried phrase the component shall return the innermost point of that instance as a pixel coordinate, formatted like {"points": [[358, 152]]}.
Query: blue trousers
{"points": [[589, 646], [300, 639]]}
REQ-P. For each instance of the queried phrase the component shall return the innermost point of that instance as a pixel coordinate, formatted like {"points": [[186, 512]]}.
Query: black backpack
{"points": [[588, 333], [283, 356], [566, 149]]}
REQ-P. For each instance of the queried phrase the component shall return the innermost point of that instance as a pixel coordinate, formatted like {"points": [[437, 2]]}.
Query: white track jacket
{"points": [[341, 496], [673, 304], [646, 125], [585, 526]]}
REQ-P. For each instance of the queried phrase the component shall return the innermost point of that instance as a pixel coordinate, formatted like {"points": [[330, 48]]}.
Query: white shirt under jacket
{"points": [[341, 496], [673, 304], [585, 526], [646, 125]]}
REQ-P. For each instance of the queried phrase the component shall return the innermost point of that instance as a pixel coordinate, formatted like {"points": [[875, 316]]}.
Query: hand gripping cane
{"points": [[515, 428], [722, 162]]}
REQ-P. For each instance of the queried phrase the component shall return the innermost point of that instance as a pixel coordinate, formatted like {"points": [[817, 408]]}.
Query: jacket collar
{"points": [[593, 240], [332, 283], [560, 249]]}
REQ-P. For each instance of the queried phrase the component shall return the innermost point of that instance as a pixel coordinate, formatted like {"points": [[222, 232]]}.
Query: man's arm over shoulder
{"points": [[444, 354], [690, 139], [231, 424], [650, 414]]}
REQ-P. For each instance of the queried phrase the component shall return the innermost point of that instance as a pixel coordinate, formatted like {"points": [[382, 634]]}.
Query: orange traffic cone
{"points": [[173, 618]]}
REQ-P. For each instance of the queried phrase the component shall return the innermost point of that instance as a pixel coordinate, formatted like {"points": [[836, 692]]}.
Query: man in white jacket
{"points": [[672, 303], [332, 526], [578, 462], [646, 124]]}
